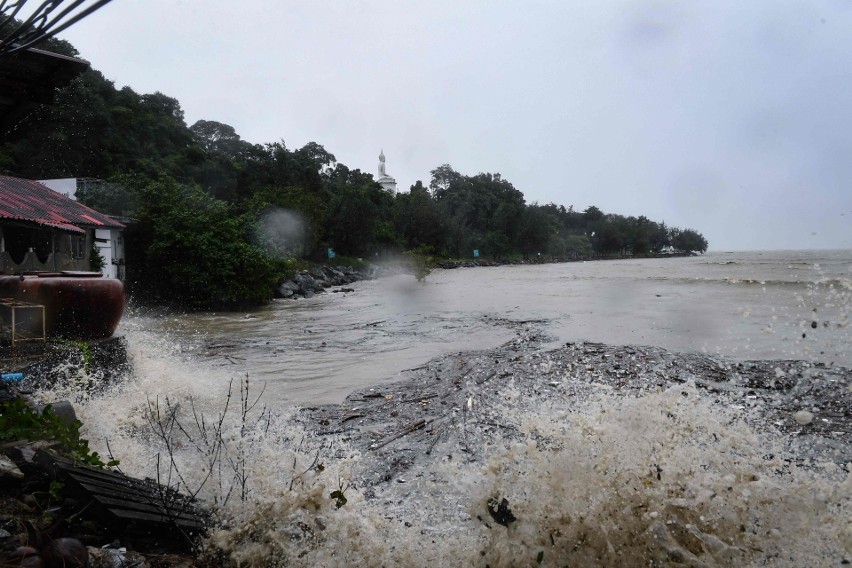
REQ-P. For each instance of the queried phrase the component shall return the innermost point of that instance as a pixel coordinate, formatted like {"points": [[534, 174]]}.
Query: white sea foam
{"points": [[636, 481], [609, 480]]}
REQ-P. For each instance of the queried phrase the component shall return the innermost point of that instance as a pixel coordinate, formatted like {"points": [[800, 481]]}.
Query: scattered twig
{"points": [[310, 467], [408, 430]]}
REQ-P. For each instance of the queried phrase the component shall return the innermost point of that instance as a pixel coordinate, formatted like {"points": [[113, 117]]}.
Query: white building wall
{"points": [[65, 186], [110, 243]]}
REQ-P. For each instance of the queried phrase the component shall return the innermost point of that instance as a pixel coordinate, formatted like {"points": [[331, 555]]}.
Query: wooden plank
{"points": [[122, 500], [96, 486], [113, 498], [122, 483], [154, 508], [160, 519], [119, 480]]}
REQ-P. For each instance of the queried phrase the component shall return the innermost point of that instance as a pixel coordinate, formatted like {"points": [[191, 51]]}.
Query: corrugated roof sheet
{"points": [[29, 201]]}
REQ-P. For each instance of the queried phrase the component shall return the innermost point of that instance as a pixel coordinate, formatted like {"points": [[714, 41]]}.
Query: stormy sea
{"points": [[637, 412]]}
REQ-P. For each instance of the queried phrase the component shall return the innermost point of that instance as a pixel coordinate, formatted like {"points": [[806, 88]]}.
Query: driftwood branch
{"points": [[417, 425]]}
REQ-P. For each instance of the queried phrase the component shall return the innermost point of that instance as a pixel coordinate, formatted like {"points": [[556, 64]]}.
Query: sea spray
{"points": [[592, 475], [668, 476], [664, 476], [282, 232]]}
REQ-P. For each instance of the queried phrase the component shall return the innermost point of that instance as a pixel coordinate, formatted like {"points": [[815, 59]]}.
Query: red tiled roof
{"points": [[30, 201]]}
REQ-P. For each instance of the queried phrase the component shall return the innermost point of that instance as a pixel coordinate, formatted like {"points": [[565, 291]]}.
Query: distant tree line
{"points": [[197, 194]]}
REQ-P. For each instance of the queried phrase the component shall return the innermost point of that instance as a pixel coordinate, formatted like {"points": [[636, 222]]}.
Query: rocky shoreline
{"points": [[307, 283], [322, 278]]}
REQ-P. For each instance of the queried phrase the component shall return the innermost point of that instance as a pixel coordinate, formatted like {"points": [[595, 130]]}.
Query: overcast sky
{"points": [[733, 118]]}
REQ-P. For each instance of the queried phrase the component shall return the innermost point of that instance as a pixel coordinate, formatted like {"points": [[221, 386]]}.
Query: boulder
{"points": [[331, 273], [286, 289], [306, 282], [315, 281], [8, 468]]}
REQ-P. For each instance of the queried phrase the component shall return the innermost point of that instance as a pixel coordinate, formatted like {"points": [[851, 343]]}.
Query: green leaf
{"points": [[339, 497]]}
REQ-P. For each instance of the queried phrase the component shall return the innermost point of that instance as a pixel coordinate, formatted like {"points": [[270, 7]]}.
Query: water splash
{"points": [[283, 232], [664, 477]]}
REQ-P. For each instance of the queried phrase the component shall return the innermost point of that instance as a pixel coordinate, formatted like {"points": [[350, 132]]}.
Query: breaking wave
{"points": [[603, 479], [665, 477]]}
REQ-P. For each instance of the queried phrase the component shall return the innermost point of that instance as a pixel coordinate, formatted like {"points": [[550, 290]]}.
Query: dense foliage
{"points": [[215, 215], [18, 421], [191, 247]]}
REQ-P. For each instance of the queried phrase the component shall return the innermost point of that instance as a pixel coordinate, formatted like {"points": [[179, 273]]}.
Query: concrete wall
{"points": [[110, 243]]}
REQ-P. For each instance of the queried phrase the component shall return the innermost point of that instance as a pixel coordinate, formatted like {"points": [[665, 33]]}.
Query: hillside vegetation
{"points": [[218, 218]]}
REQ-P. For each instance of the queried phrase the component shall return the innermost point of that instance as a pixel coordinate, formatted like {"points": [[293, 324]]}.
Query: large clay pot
{"points": [[78, 305]]}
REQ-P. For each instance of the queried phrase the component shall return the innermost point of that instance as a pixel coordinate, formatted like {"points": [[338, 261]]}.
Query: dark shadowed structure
{"points": [[30, 78]]}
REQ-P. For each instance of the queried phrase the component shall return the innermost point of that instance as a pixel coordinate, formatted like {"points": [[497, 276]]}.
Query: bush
{"points": [[421, 262], [20, 422], [96, 260], [189, 249]]}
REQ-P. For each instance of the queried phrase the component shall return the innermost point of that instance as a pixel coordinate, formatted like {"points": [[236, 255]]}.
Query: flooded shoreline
{"points": [[746, 306], [476, 420]]}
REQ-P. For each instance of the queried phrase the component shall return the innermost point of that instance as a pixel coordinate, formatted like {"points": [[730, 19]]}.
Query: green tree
{"points": [[482, 211], [611, 235], [108, 197], [688, 241], [578, 246], [217, 137], [660, 238], [188, 249], [417, 218], [359, 219], [538, 231]]}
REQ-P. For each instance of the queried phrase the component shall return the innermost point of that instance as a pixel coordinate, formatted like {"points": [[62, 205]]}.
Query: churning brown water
{"points": [[758, 305], [664, 476]]}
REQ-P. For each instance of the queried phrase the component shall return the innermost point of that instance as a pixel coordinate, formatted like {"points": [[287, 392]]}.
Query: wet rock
{"points": [[115, 558], [25, 557], [63, 409], [329, 275], [286, 289], [8, 469], [66, 553], [335, 277], [305, 282], [6, 392]]}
